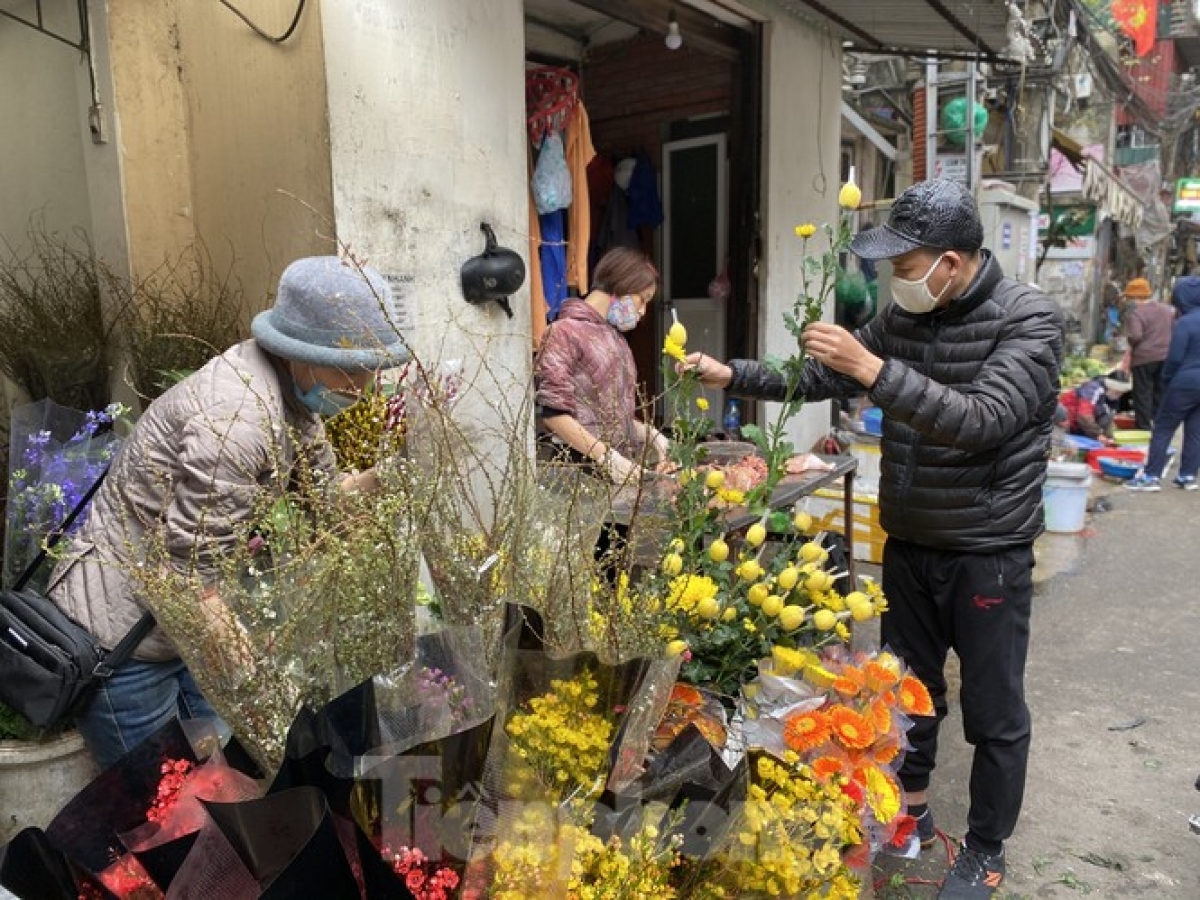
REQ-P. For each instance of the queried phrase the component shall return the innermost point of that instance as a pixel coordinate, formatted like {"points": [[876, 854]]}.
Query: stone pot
{"points": [[38, 778]]}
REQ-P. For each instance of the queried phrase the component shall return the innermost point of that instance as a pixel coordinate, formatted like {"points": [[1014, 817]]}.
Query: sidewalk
{"points": [[1113, 683]]}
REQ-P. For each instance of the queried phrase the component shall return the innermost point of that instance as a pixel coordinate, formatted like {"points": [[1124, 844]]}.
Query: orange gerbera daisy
{"points": [[879, 677], [851, 729], [886, 753], [914, 697], [805, 730], [881, 717], [849, 682], [825, 767]]}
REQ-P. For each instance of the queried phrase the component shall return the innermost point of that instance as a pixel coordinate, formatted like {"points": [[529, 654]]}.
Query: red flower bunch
{"points": [[422, 876], [174, 773]]}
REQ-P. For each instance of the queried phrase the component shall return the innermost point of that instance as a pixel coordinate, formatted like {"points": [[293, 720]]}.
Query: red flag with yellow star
{"points": [[1139, 20]]}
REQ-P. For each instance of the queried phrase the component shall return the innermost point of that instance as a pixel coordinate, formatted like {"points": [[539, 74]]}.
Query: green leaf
{"points": [[752, 433]]}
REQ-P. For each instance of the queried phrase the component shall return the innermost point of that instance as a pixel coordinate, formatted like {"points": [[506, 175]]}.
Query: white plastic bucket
{"points": [[1065, 496]]}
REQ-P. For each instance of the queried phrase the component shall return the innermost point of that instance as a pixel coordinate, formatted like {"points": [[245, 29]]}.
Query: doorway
{"points": [[695, 246]]}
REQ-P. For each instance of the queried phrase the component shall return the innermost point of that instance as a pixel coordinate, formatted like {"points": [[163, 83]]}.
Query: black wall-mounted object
{"points": [[495, 274]]}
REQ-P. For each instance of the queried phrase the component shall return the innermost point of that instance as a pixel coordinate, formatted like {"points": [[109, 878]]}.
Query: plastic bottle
{"points": [[733, 420]]}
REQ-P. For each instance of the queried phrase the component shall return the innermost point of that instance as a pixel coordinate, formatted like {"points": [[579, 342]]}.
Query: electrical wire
{"points": [[262, 34]]}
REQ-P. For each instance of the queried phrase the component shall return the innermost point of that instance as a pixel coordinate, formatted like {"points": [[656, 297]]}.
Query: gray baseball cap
{"points": [[330, 312], [939, 214]]}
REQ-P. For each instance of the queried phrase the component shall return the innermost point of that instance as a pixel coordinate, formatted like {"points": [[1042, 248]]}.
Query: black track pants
{"points": [[979, 605]]}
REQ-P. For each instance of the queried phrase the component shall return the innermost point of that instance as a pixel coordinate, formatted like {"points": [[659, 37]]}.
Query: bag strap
{"points": [[112, 661], [56, 535]]}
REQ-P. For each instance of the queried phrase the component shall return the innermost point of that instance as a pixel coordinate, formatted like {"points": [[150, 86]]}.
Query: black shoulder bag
{"points": [[49, 663]]}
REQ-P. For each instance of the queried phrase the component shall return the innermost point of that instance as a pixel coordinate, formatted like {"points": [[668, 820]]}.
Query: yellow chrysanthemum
{"points": [[674, 350], [807, 230], [688, 590]]}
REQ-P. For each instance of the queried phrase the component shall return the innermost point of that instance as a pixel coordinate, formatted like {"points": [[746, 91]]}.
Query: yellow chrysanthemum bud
{"points": [[824, 619], [708, 608], [772, 606], [757, 594], [676, 648], [807, 230], [850, 196], [819, 581], [718, 551], [791, 617], [678, 333], [756, 534], [750, 570], [788, 577], [861, 612], [729, 615], [714, 479], [702, 404], [811, 551], [802, 522], [672, 564]]}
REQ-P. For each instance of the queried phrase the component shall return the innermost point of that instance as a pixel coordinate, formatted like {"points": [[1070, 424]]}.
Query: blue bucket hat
{"points": [[332, 313]]}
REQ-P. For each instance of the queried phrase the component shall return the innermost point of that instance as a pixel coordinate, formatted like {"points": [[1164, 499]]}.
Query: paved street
{"points": [[1114, 687]]}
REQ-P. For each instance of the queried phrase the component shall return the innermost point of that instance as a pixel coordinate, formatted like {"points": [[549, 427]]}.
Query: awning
{"points": [[1102, 187], [948, 28]]}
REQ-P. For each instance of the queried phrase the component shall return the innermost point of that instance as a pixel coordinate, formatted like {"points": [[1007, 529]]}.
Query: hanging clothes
{"points": [[553, 255], [645, 205], [580, 154]]}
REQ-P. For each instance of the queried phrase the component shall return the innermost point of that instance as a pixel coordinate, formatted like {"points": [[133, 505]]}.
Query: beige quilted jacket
{"points": [[193, 467]]}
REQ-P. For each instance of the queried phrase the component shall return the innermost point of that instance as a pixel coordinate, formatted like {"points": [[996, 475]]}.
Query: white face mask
{"points": [[914, 296]]}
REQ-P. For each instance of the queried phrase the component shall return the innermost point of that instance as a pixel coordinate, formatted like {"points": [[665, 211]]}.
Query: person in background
{"points": [[193, 468], [1181, 397], [1088, 410], [965, 365], [585, 375], [1148, 330]]}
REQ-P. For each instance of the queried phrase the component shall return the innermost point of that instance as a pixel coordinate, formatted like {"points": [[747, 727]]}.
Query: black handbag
{"points": [[50, 664]]}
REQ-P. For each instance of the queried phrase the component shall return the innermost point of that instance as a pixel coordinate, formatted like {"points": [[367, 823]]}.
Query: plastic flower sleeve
{"points": [[88, 828], [32, 866], [55, 455], [556, 720]]}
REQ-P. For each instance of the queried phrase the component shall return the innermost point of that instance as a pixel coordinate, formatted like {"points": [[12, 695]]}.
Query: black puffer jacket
{"points": [[968, 393]]}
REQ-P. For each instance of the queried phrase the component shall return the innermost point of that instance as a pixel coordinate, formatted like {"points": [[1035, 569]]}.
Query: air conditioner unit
{"points": [[1083, 86]]}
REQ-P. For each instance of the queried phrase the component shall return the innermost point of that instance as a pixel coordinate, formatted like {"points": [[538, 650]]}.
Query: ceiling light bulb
{"points": [[673, 40]]}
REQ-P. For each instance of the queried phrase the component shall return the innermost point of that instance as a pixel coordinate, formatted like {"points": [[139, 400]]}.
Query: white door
{"points": [[695, 179]]}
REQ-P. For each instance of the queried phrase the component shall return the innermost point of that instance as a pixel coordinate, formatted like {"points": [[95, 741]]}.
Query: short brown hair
{"points": [[623, 270]]}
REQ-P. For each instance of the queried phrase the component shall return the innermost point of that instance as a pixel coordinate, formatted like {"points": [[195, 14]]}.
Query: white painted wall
{"points": [[43, 115], [426, 116], [802, 125]]}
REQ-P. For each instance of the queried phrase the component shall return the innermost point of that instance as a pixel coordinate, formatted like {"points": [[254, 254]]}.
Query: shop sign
{"points": [[1187, 195]]}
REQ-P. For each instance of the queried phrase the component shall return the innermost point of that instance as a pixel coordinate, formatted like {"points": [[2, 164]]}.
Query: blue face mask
{"points": [[324, 401]]}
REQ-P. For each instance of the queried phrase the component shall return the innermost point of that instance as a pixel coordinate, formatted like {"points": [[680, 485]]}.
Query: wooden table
{"points": [[652, 503]]}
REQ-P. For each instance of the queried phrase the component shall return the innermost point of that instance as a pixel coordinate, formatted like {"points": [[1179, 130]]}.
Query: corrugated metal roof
{"points": [[961, 28]]}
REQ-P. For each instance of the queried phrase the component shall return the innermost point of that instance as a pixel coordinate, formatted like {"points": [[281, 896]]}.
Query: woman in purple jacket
{"points": [[586, 376]]}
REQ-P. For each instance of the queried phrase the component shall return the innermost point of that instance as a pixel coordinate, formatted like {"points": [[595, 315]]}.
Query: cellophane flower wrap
{"points": [[55, 455], [845, 714], [558, 725]]}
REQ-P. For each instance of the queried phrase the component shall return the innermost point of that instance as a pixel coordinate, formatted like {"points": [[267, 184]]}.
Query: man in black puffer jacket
{"points": [[965, 366]]}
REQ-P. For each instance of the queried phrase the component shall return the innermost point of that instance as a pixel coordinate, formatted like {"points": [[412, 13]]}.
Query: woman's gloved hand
{"points": [[620, 470]]}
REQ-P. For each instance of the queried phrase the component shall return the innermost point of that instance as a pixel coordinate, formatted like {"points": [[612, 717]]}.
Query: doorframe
{"points": [[721, 139]]}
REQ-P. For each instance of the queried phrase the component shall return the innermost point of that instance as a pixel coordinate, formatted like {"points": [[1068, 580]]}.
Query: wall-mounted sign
{"points": [[1187, 195]]}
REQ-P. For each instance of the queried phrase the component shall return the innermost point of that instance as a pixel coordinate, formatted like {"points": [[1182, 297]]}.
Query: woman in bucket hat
{"points": [[194, 466]]}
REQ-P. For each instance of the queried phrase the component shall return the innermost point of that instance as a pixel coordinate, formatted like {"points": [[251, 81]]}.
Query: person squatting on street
{"points": [[965, 365], [1089, 409], [1148, 330], [585, 372], [1181, 398], [196, 462]]}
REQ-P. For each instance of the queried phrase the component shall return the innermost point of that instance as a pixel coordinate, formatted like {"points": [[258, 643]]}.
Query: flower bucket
{"points": [[1065, 496], [38, 777]]}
